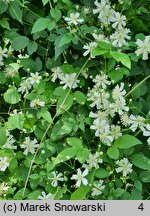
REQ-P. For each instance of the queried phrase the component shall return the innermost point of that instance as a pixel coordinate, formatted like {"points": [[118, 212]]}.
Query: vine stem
{"points": [[140, 83], [49, 126]]}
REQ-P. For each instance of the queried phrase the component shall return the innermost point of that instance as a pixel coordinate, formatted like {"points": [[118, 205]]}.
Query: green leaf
{"points": [[40, 25], [60, 193], [117, 75], [15, 11], [113, 153], [126, 141], [13, 165], [45, 2], [32, 47], [58, 49], [66, 39], [99, 51], [102, 173], [141, 161], [75, 142], [104, 45], [82, 155], [34, 195], [4, 23], [3, 137], [64, 103], [20, 42], [80, 193], [12, 96], [3, 7], [56, 13], [46, 115], [51, 25], [121, 57], [35, 176], [59, 91], [60, 129], [117, 192], [15, 121], [80, 97], [145, 176]]}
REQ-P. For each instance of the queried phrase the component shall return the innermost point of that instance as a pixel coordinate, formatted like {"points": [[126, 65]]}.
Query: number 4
{"points": [[141, 207]]}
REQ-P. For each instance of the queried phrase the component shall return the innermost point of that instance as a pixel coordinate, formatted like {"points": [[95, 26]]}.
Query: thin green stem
{"points": [[140, 83]]}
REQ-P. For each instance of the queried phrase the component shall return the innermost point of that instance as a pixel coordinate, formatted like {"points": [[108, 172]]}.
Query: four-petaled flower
{"points": [[80, 177]]}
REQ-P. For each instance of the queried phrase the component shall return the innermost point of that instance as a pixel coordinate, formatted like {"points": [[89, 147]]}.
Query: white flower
{"points": [[143, 47], [124, 166], [35, 78], [29, 145], [70, 81], [45, 196], [3, 53], [25, 86], [119, 37], [37, 102], [100, 6], [93, 161], [80, 177], [118, 92], [125, 119], [98, 115], [101, 80], [10, 142], [135, 122], [98, 125], [95, 96], [56, 177], [105, 136], [74, 19], [89, 48], [115, 131], [10, 71], [3, 188], [119, 107], [146, 132], [57, 73], [98, 188], [4, 163], [106, 16], [118, 20]]}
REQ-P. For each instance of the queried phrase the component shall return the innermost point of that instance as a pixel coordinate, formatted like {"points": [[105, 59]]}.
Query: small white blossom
{"points": [[89, 48], [80, 177], [105, 136], [3, 53], [45, 196], [98, 188], [37, 102], [120, 36], [101, 80], [115, 131], [69, 80], [74, 19], [124, 166], [35, 78], [98, 125], [118, 92], [10, 142], [100, 6], [4, 163], [29, 145], [143, 47], [118, 20], [57, 73], [56, 177], [93, 161], [25, 86], [135, 122], [146, 132], [3, 188]]}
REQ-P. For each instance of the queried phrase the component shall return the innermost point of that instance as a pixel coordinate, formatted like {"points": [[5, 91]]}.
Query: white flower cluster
{"points": [[10, 142], [27, 84], [108, 105], [109, 17], [143, 47], [74, 19], [69, 80]]}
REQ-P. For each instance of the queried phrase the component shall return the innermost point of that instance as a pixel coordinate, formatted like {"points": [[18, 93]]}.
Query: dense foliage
{"points": [[74, 102]]}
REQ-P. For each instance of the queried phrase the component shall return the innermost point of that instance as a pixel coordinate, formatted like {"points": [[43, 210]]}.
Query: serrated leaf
{"points": [[121, 57], [12, 96], [126, 141], [20, 42], [141, 161], [40, 25], [113, 153], [4, 24]]}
